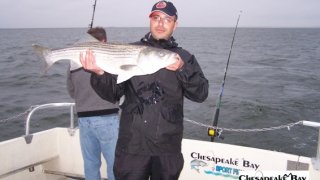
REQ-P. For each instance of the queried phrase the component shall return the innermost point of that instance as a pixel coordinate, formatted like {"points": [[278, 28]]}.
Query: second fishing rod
{"points": [[214, 132], [94, 10]]}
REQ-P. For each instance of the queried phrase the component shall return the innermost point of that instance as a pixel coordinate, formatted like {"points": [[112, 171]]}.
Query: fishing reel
{"points": [[214, 132]]}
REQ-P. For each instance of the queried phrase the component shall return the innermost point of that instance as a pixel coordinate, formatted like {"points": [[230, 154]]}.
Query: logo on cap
{"points": [[161, 5]]}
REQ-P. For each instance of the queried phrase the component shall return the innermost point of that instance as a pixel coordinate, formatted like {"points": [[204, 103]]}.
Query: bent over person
{"points": [[151, 125], [98, 119]]}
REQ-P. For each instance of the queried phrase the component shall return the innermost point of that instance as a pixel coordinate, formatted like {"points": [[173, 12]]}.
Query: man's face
{"points": [[162, 25]]}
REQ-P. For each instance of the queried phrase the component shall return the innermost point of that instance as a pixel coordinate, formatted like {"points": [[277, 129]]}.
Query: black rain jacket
{"points": [[151, 121]]}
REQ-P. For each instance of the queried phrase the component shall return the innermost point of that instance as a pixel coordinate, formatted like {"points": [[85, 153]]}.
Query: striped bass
{"points": [[123, 60]]}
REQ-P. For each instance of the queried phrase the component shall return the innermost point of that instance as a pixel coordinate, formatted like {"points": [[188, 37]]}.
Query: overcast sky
{"points": [[134, 13]]}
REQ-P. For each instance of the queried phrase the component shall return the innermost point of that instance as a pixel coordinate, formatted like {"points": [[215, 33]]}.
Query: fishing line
{"points": [[94, 10], [214, 132]]}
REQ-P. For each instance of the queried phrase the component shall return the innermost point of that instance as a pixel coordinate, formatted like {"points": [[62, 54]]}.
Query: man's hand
{"points": [[176, 65], [88, 62]]}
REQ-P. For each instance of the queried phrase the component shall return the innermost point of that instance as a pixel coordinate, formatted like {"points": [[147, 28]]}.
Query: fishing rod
{"points": [[94, 9], [214, 132]]}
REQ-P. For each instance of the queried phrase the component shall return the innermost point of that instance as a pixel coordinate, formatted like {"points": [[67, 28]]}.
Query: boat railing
{"points": [[316, 160], [71, 129]]}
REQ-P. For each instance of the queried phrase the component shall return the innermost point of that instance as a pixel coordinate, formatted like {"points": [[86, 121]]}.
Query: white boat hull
{"points": [[54, 154]]}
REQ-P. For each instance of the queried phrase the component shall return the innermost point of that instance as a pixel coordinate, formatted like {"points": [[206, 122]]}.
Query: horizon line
{"points": [[309, 27]]}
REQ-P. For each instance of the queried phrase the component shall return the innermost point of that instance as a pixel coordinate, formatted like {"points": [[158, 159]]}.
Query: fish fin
{"points": [[128, 67], [133, 69], [128, 72], [123, 77], [43, 53]]}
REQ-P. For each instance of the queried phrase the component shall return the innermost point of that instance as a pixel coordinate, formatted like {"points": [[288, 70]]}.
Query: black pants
{"points": [[138, 167]]}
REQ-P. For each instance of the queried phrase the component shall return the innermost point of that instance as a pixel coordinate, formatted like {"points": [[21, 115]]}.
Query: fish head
{"points": [[161, 55], [152, 59]]}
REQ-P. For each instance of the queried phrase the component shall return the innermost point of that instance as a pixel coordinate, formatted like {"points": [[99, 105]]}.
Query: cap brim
{"points": [[161, 12]]}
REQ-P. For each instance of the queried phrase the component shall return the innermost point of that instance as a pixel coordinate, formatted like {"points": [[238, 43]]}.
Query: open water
{"points": [[273, 79]]}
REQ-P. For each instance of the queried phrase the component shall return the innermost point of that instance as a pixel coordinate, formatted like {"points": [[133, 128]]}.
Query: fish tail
{"points": [[43, 53]]}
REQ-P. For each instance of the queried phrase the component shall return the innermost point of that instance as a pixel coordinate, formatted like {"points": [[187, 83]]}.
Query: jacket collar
{"points": [[166, 44]]}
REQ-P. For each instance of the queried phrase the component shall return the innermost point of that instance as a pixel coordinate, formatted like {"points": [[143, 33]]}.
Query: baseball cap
{"points": [[165, 7]]}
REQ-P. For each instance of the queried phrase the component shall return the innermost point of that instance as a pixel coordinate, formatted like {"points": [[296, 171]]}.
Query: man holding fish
{"points": [[151, 124]]}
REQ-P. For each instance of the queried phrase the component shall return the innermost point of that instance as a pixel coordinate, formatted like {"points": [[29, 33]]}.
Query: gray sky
{"points": [[134, 13]]}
